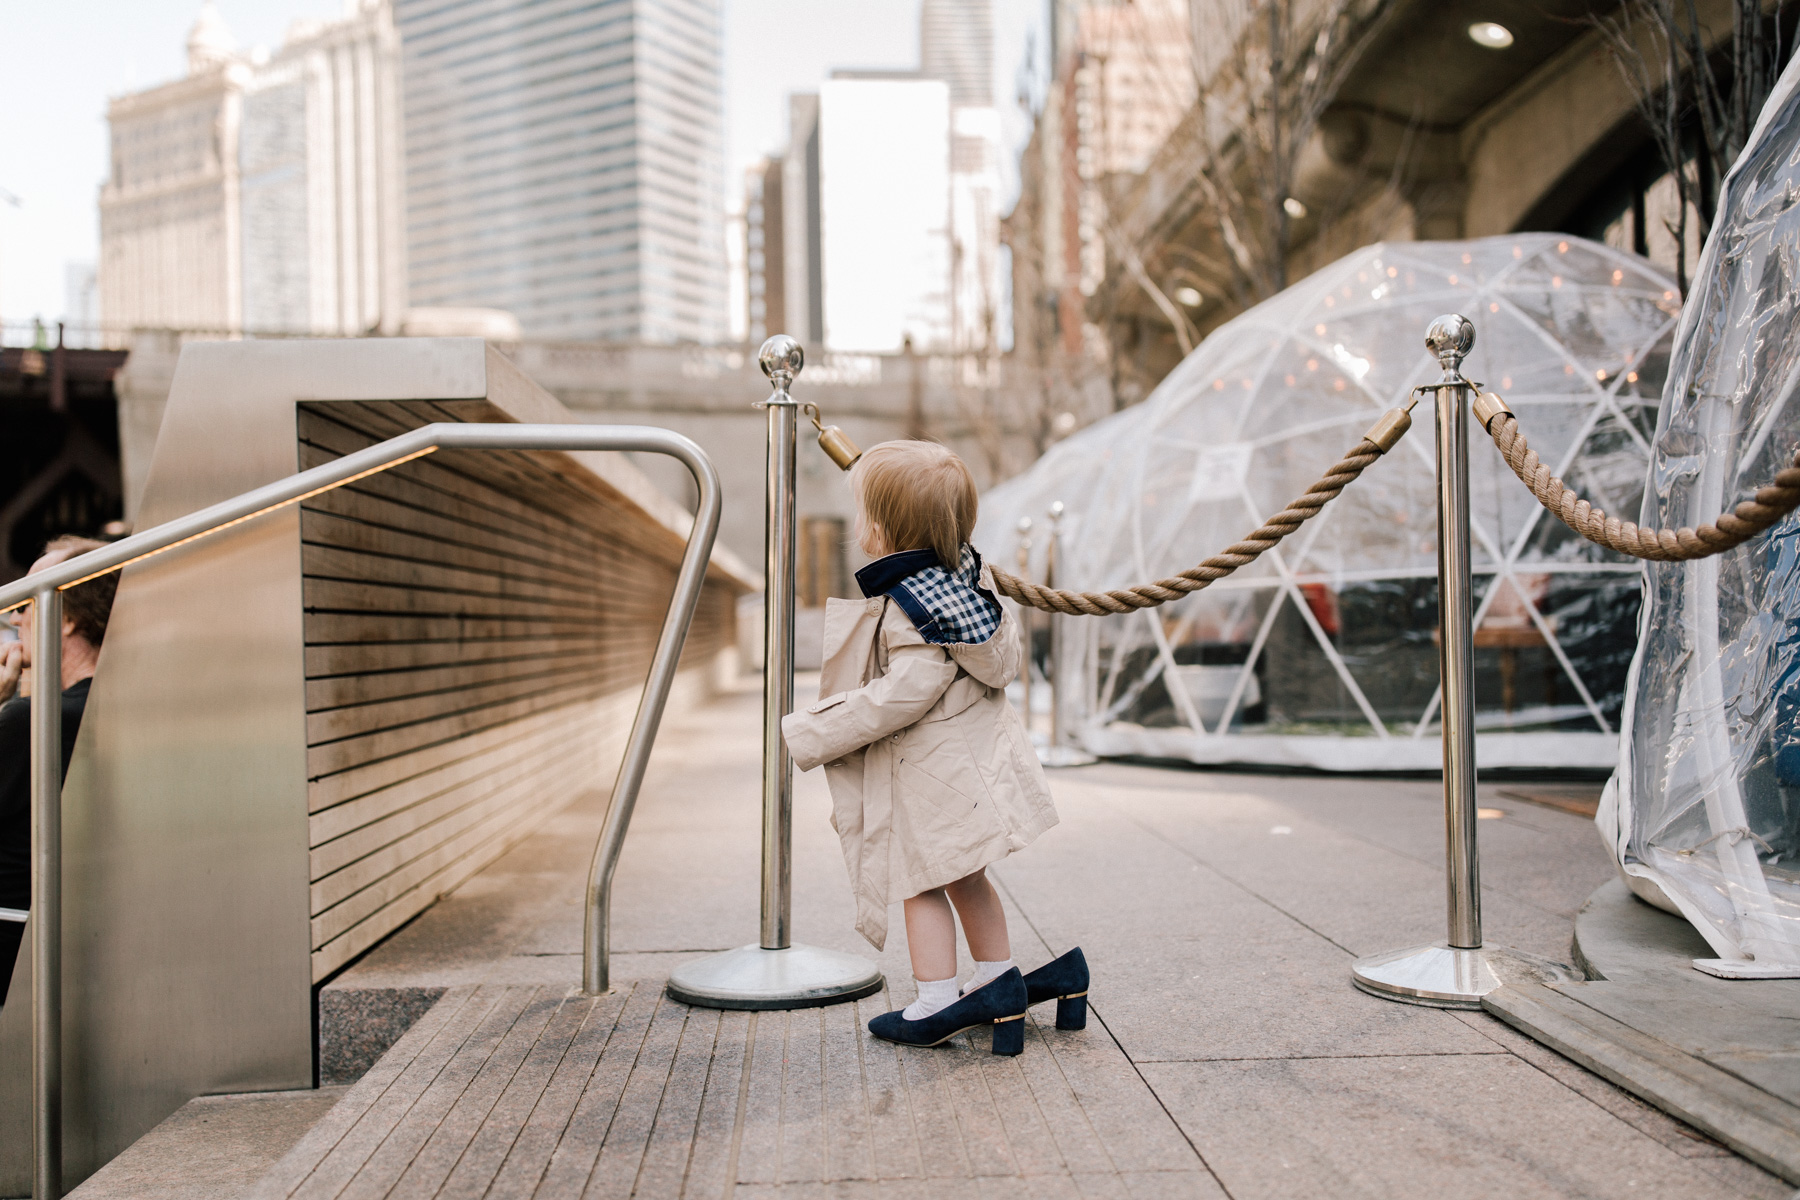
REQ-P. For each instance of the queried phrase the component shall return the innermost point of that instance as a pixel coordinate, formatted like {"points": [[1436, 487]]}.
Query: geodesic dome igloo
{"points": [[1703, 813], [1323, 652]]}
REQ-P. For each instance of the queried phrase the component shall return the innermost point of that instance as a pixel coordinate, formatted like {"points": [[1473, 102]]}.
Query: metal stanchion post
{"points": [[1459, 971], [774, 973], [1059, 752], [46, 895], [778, 651], [1023, 561]]}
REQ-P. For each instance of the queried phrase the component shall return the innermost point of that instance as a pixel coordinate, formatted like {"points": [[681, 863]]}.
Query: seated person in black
{"points": [[86, 608]]}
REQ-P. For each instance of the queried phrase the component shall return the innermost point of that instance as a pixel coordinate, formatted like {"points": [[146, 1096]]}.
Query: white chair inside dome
{"points": [[1323, 653]]}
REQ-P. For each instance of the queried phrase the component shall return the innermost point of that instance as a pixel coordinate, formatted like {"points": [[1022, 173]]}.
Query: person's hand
{"points": [[12, 661]]}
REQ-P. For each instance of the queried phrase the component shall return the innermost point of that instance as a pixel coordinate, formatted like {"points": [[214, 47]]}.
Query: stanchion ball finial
{"points": [[1450, 339], [781, 358]]}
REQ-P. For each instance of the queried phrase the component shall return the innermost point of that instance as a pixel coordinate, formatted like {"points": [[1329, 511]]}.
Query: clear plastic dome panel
{"points": [[1324, 652], [1706, 804]]}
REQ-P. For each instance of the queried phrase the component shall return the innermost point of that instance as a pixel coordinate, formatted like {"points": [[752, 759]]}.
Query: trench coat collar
{"points": [[884, 574]]}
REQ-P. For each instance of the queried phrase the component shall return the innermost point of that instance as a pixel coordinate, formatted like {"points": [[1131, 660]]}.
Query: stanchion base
{"points": [[753, 978], [1443, 976], [1064, 756]]}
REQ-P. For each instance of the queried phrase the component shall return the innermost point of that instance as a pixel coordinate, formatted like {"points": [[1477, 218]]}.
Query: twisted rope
{"points": [[1662, 545], [1148, 595]]}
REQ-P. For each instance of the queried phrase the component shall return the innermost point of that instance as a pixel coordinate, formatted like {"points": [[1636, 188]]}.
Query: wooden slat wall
{"points": [[478, 629]]}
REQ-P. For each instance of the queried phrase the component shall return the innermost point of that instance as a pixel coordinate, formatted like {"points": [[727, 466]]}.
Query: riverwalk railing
{"points": [[44, 589]]}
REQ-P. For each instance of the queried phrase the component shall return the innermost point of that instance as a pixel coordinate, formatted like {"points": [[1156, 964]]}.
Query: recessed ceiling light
{"points": [[1188, 296], [1294, 208], [1491, 35]]}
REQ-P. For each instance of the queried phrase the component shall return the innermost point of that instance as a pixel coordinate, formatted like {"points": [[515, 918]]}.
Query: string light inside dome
{"points": [[1490, 34]]}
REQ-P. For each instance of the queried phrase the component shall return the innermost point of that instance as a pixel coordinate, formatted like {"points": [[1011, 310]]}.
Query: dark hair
{"points": [[88, 605]]}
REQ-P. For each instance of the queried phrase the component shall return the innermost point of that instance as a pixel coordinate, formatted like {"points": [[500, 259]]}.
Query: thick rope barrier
{"points": [[1265, 537], [1726, 531]]}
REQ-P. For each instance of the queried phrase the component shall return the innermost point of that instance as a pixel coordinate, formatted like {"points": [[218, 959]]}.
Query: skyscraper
{"points": [[765, 254], [884, 202], [803, 270], [564, 162], [890, 192], [956, 45]]}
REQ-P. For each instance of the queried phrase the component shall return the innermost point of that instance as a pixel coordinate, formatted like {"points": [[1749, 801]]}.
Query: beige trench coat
{"points": [[932, 776]]}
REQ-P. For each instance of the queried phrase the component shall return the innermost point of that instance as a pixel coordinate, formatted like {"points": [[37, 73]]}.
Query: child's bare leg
{"points": [[983, 920], [931, 939], [984, 924], [931, 935]]}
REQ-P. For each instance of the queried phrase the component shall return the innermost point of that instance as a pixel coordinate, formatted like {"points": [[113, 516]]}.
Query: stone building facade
{"points": [[1394, 120], [261, 193], [170, 239]]}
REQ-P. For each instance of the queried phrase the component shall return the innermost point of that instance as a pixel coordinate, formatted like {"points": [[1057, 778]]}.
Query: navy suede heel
{"points": [[1065, 981], [1001, 1004], [1071, 1012]]}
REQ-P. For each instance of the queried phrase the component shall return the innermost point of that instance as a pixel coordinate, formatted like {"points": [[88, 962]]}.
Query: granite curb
{"points": [[1722, 1055]]}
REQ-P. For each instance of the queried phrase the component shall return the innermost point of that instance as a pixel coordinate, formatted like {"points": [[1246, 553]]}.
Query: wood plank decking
{"points": [[516, 1092]]}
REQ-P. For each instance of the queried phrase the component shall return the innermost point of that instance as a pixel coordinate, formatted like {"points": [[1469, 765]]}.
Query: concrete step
{"points": [[211, 1148]]}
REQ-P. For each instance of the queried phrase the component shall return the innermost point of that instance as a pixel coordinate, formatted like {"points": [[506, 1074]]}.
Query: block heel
{"points": [[1071, 1012], [1066, 982], [1009, 1035]]}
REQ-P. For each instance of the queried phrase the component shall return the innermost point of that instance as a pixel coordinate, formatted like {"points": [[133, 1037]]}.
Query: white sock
{"points": [[986, 973], [934, 994]]}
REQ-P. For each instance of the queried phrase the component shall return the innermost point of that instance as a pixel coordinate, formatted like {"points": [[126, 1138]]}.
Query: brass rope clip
{"points": [[832, 440], [1386, 433], [1487, 406]]}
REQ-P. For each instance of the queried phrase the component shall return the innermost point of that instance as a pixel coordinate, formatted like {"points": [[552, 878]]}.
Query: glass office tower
{"points": [[563, 162]]}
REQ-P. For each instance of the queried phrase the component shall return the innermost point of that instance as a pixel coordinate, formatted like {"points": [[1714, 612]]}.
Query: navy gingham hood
{"points": [[946, 607]]}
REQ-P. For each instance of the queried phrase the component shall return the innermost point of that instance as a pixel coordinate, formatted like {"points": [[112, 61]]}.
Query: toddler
{"points": [[932, 774]]}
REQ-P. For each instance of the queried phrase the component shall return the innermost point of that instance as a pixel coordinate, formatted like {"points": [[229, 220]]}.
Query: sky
{"points": [[66, 58]]}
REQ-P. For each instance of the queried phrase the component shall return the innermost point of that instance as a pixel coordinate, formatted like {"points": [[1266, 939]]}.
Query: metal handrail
{"points": [[44, 590]]}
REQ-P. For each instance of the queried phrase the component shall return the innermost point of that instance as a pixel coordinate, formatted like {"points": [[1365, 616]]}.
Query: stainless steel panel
{"points": [[185, 934], [184, 918], [15, 1074]]}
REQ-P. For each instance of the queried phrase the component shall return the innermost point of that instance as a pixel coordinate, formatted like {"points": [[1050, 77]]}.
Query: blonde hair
{"points": [[919, 494]]}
